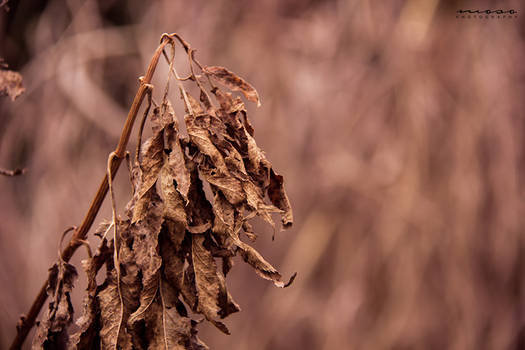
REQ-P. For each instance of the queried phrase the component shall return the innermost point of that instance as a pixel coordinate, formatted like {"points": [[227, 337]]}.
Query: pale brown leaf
{"points": [[233, 82]]}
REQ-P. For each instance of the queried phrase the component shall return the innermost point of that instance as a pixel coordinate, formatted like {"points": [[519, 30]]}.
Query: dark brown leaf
{"points": [[87, 335], [177, 165], [213, 299], [52, 331], [146, 251], [279, 198]]}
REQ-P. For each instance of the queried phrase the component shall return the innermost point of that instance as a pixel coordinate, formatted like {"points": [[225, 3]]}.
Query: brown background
{"points": [[399, 129]]}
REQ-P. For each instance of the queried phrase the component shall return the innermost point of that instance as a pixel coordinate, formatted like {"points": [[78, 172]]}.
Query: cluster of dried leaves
{"points": [[168, 258]]}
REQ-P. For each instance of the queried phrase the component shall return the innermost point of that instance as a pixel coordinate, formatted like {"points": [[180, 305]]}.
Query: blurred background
{"points": [[399, 129]]}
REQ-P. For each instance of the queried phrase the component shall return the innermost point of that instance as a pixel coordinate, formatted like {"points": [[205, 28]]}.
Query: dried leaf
{"points": [[152, 160], [233, 82], [196, 108], [163, 116], [87, 335], [52, 331], [110, 312], [176, 164], [279, 198], [200, 137], [213, 299], [178, 331], [225, 224], [146, 251]]}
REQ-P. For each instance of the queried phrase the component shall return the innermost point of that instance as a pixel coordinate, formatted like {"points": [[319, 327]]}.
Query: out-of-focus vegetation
{"points": [[398, 127]]}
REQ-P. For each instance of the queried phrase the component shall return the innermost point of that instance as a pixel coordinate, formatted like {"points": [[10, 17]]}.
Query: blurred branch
{"points": [[4, 5], [15, 172], [27, 322]]}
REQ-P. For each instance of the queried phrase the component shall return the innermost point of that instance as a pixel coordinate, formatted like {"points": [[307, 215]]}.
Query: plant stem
{"points": [[26, 323]]}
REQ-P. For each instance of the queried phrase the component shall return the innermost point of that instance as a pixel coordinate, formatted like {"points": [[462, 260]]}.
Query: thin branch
{"points": [[27, 322], [14, 172]]}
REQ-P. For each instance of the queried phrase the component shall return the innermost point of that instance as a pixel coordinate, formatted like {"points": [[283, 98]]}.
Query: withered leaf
{"points": [[212, 297], [225, 222], [146, 251], [52, 331], [201, 138], [110, 312], [261, 266], [279, 198], [11, 84], [152, 160], [177, 164], [172, 260], [178, 331], [196, 108], [233, 82], [173, 201], [162, 116], [87, 335]]}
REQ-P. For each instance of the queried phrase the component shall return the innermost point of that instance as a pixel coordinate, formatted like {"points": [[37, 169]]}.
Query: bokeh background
{"points": [[399, 129]]}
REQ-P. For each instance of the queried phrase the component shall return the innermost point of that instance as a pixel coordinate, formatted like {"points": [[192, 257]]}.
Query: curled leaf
{"points": [[233, 82], [52, 331]]}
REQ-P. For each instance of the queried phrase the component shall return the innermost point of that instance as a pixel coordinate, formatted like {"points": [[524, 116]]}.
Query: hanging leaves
{"points": [[162, 263], [52, 331]]}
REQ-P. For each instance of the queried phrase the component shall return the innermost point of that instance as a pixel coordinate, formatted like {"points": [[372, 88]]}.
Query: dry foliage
{"points": [[168, 257]]}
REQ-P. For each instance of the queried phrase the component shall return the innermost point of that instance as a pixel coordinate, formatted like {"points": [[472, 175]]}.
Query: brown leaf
{"points": [[152, 161], [196, 108], [11, 84], [213, 299], [52, 331], [200, 137], [163, 116], [178, 331], [176, 164], [110, 312], [278, 196], [173, 202], [228, 185], [87, 335], [233, 82], [199, 210], [145, 248], [172, 260], [261, 266], [225, 223]]}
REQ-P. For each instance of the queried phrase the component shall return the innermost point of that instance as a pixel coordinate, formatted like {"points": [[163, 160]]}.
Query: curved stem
{"points": [[26, 323]]}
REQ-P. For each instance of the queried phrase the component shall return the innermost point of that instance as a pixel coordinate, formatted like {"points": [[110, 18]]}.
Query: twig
{"points": [[14, 172], [27, 322]]}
